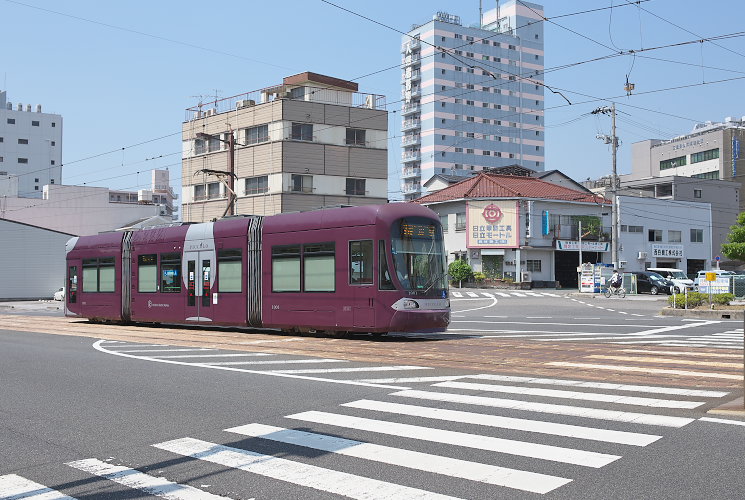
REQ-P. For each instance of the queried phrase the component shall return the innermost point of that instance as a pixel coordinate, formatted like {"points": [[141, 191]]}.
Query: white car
{"points": [[59, 294], [677, 276]]}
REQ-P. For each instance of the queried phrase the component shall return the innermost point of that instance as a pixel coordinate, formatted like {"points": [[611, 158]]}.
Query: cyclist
{"points": [[615, 280]]}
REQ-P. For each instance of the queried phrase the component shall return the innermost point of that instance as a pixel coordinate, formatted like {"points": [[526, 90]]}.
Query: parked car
{"points": [[649, 282], [677, 276], [701, 275], [59, 294]]}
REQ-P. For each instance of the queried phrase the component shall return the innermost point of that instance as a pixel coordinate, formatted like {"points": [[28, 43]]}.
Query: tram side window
{"points": [[320, 268], [286, 268], [99, 275], [147, 271], [229, 270], [361, 262], [384, 280], [170, 273]]}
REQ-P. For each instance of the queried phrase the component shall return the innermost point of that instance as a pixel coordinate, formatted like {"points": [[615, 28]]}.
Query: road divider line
{"points": [[453, 467], [645, 369]]}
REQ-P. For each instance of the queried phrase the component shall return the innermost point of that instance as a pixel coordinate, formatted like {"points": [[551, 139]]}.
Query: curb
{"points": [[710, 314]]}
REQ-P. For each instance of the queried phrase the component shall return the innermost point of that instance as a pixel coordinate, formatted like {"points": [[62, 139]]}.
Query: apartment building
{"points": [[311, 141], [472, 96], [30, 149]]}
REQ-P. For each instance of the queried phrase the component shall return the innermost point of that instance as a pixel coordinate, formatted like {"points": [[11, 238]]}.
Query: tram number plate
{"points": [[275, 306]]}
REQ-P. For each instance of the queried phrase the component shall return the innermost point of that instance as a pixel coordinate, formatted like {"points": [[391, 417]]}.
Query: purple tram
{"points": [[376, 269]]}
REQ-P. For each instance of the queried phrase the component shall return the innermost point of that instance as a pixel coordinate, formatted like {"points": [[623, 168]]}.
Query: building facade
{"points": [[472, 96], [311, 142], [30, 149]]}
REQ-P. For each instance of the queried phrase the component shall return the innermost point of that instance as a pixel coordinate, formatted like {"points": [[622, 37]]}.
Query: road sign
{"points": [[711, 276]]}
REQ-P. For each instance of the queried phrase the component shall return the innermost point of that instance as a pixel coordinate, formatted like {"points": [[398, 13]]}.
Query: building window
{"points": [[673, 162], [213, 190], [229, 270], [54, 124], [705, 155], [52, 162], [286, 268], [257, 134], [257, 185], [11, 121], [22, 160], [673, 236], [459, 68], [460, 222], [444, 223], [458, 150], [356, 136], [355, 187], [632, 229], [1, 160], [34, 123], [319, 262], [302, 183], [213, 144], [22, 141], [361, 262], [200, 147], [54, 143], [486, 153], [469, 151], [302, 131], [697, 193], [655, 235], [533, 265], [697, 235], [170, 272], [36, 179], [469, 103], [1, 139], [200, 192]]}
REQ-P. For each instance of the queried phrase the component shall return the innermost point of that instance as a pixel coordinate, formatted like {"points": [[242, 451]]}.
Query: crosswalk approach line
{"points": [[13, 486], [135, 479], [487, 443], [575, 411], [311, 476], [462, 469]]}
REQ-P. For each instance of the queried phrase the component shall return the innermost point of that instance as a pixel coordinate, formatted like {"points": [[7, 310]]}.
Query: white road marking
{"points": [[645, 359], [499, 445], [171, 350], [14, 487], [604, 385], [139, 345], [473, 471], [685, 353], [519, 424], [405, 380], [311, 476], [678, 327], [585, 396], [472, 294], [248, 354], [502, 294], [456, 294], [132, 478], [575, 411], [276, 362], [493, 303], [722, 421], [646, 370], [517, 294], [356, 369]]}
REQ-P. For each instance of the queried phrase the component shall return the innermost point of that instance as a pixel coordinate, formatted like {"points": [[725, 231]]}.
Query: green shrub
{"points": [[460, 271], [723, 298], [479, 277], [694, 299]]}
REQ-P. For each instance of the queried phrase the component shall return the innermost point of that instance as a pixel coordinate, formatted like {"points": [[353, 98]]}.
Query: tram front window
{"points": [[418, 256]]}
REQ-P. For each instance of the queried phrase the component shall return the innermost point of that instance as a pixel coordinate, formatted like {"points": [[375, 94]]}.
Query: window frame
{"points": [[155, 279], [325, 249], [171, 260], [353, 185], [356, 137], [96, 263], [698, 233], [226, 259], [302, 188], [299, 131], [366, 249], [262, 186]]}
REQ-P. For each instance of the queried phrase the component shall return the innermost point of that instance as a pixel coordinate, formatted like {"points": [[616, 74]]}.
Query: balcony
{"points": [[411, 60], [411, 76], [409, 156], [410, 140], [411, 124], [408, 173], [409, 108], [411, 45], [411, 188]]}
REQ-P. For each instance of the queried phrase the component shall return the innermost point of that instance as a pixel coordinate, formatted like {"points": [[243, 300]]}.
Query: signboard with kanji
{"points": [[492, 224]]}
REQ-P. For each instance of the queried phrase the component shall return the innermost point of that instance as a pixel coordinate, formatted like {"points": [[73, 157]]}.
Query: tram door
{"points": [[199, 281]]}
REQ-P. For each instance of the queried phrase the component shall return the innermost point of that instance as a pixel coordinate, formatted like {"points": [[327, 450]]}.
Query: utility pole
{"points": [[613, 141], [221, 174]]}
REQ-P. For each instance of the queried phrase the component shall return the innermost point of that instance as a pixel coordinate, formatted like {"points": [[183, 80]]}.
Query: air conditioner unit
{"points": [[642, 255], [245, 103], [622, 263], [210, 112]]}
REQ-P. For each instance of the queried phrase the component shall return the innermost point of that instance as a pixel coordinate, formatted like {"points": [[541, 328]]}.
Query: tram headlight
{"points": [[410, 304]]}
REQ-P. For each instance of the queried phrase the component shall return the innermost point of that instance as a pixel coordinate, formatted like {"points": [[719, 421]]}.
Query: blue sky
{"points": [[122, 74]]}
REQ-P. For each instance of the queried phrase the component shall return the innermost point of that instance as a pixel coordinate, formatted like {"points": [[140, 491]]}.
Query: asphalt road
{"points": [[281, 418]]}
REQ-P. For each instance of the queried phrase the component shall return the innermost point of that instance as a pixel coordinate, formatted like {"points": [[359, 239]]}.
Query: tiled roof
{"points": [[489, 185]]}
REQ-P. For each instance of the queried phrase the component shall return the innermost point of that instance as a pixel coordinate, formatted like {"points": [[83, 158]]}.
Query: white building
{"points": [[30, 149]]}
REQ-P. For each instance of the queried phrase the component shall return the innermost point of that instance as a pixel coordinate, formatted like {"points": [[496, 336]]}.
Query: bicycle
{"points": [[611, 290]]}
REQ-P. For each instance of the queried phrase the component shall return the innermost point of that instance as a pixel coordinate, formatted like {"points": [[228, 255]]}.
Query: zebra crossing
{"points": [[471, 436], [493, 294]]}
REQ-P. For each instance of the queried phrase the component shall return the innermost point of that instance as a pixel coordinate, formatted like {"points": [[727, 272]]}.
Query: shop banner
{"points": [[492, 224]]}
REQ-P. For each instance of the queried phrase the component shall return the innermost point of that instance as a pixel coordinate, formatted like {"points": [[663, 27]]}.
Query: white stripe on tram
{"points": [[277, 361], [575, 411], [14, 487], [646, 370], [463, 469], [311, 476], [140, 481], [519, 424], [603, 385], [357, 369], [488, 443], [586, 396]]}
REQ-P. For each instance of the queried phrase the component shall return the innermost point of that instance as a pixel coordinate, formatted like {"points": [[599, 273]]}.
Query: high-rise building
{"points": [[30, 149], [310, 142], [472, 95]]}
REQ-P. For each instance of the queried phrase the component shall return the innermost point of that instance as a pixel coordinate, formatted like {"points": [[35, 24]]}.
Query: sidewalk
{"points": [[31, 305]]}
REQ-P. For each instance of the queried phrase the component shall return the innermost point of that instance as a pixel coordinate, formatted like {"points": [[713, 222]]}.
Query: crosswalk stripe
{"points": [[603, 385], [519, 424], [456, 294], [502, 294], [644, 359], [722, 421], [646, 370], [550, 294], [473, 471], [586, 396], [248, 354], [356, 369], [488, 443], [137, 345], [403, 380], [712, 346], [133, 478], [14, 487], [518, 294], [277, 362], [684, 353], [574, 411], [472, 294], [311, 476], [170, 350]]}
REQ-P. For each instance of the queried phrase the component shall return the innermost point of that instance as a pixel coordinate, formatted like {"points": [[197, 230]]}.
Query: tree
{"points": [[459, 271], [735, 249]]}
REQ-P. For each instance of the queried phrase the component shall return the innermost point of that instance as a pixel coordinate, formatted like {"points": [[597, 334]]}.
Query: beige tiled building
{"points": [[310, 142]]}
